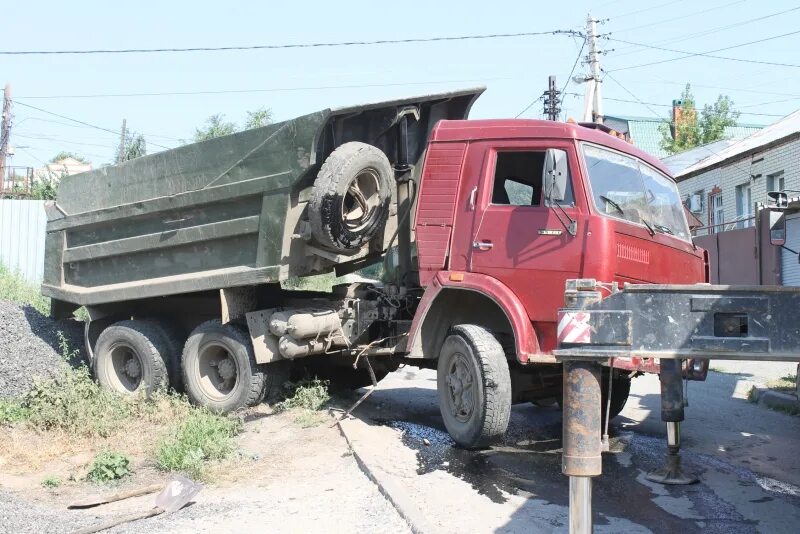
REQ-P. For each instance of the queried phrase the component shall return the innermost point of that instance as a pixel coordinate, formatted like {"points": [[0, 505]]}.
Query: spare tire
{"points": [[351, 196]]}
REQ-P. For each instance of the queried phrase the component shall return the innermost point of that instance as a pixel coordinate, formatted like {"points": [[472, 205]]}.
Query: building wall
{"points": [[754, 169]]}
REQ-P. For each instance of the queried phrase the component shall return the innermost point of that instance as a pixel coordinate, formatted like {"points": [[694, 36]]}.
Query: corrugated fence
{"points": [[22, 229]]}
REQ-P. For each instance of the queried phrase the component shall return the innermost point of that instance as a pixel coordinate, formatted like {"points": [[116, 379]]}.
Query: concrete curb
{"points": [[390, 489], [776, 399]]}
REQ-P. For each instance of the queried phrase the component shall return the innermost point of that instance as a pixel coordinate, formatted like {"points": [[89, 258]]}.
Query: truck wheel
{"points": [[474, 387], [351, 196], [220, 370], [619, 395], [175, 338], [130, 356]]}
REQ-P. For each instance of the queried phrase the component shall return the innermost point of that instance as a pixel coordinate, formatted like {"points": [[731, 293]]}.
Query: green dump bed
{"points": [[221, 213]]}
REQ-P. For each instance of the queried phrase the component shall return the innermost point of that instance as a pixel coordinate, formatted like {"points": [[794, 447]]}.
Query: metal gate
{"points": [[790, 268]]}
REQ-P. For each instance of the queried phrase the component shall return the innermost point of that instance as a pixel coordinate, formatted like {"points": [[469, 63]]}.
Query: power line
{"points": [[17, 123], [662, 119], [285, 46], [651, 8], [708, 54], [529, 106], [669, 106], [693, 35], [79, 121], [266, 90], [684, 16], [574, 65]]}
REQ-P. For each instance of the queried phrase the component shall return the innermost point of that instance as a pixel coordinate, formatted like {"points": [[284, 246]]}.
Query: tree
{"points": [[133, 147], [258, 118], [215, 126], [64, 155], [689, 130]]}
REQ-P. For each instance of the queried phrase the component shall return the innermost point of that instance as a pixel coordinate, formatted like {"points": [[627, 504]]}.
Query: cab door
{"points": [[519, 237]]}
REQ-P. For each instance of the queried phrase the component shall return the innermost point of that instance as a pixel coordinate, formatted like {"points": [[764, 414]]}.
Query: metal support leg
{"points": [[581, 459], [672, 413]]}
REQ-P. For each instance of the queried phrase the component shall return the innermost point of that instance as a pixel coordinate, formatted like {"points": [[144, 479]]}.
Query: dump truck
{"points": [[452, 240]]}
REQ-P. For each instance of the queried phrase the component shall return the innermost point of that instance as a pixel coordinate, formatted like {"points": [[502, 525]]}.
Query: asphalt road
{"points": [[745, 455]]}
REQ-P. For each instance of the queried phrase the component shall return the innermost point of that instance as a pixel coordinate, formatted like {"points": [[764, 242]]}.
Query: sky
{"points": [[295, 81]]}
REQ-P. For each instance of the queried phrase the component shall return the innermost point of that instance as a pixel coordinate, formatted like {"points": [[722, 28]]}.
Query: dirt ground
{"points": [[283, 477]]}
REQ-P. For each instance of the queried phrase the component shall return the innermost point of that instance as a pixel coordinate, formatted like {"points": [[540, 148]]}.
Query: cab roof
{"points": [[486, 129]]}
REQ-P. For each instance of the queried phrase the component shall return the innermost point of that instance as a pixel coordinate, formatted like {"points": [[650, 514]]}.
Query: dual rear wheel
{"points": [[216, 365]]}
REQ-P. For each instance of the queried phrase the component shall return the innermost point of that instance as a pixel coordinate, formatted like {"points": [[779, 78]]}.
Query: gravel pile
{"points": [[29, 346]]}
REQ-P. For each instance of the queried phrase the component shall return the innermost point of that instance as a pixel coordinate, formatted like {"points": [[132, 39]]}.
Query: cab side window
{"points": [[518, 179]]}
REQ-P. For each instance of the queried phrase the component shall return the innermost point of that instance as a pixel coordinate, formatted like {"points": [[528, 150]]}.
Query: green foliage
{"points": [[12, 411], [51, 481], [133, 147], [215, 126], [108, 466], [44, 188], [693, 130], [258, 118], [306, 394], [201, 437], [71, 401], [64, 155], [785, 384], [14, 288]]}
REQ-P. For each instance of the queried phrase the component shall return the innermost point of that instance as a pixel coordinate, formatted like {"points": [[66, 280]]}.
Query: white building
{"points": [[723, 183]]}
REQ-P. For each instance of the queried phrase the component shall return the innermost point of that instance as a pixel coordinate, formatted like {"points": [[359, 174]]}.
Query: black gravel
{"points": [[29, 346]]}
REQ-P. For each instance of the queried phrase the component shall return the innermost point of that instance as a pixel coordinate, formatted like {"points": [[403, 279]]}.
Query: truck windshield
{"points": [[627, 188]]}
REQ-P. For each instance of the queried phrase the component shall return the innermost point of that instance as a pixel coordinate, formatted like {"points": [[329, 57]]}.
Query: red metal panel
{"points": [[527, 342], [437, 200]]}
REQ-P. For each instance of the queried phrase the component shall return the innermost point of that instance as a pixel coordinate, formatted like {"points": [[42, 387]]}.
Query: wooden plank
{"points": [[183, 236]]}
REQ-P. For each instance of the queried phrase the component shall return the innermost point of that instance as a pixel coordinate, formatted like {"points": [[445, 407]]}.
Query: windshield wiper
{"points": [[649, 227], [614, 204], [663, 229]]}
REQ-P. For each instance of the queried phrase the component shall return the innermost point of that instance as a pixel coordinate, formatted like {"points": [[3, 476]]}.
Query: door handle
{"points": [[482, 245], [472, 195]]}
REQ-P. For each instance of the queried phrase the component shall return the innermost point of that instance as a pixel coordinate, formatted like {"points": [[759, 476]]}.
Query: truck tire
{"points": [[474, 387], [351, 196], [620, 391], [220, 370], [130, 357], [175, 338]]}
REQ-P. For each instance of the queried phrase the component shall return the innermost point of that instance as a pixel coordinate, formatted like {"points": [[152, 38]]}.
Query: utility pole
{"points": [[552, 100], [121, 151], [5, 134], [593, 99]]}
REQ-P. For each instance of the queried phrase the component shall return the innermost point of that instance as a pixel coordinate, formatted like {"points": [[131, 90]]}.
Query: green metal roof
{"points": [[645, 135]]}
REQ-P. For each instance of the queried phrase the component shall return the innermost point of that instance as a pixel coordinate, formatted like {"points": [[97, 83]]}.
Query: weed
{"points": [[17, 290], [201, 437], [309, 419], [786, 384], [307, 394], [51, 481], [108, 466], [12, 411], [752, 395]]}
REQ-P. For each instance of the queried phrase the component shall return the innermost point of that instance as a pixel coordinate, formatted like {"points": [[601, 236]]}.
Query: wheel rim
{"points": [[361, 201], [126, 368], [217, 372], [461, 388]]}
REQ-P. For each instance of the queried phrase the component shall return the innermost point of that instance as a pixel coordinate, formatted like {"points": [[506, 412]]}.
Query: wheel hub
{"points": [[132, 367], [226, 369], [461, 388]]}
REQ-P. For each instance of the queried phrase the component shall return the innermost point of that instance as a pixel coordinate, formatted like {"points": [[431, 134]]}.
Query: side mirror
{"points": [[777, 200], [555, 174], [777, 228]]}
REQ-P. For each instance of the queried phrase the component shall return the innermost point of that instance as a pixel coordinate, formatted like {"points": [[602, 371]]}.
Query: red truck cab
{"points": [[508, 211]]}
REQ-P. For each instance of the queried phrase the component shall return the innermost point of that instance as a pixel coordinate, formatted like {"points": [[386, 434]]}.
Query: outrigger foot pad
{"points": [[672, 473]]}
